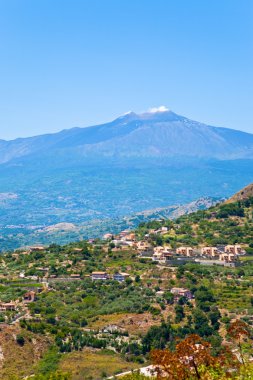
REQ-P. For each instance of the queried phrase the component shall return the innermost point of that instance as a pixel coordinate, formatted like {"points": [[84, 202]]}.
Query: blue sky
{"points": [[67, 63]]}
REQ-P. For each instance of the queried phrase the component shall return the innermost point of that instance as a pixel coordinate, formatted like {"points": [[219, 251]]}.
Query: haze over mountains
{"points": [[160, 134], [85, 176]]}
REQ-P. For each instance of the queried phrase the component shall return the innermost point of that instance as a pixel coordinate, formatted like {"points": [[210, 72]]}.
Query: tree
{"points": [[20, 339], [214, 317], [239, 331], [157, 337], [179, 310], [201, 324], [186, 361]]}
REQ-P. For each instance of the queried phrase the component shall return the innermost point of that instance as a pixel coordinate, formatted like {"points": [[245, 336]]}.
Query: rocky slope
{"points": [[245, 193]]}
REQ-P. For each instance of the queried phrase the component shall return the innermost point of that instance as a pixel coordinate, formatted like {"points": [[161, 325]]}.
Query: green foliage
{"points": [[48, 365], [158, 337], [20, 339]]}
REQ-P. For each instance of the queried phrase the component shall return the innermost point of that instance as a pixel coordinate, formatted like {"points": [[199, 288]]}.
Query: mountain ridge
{"points": [[150, 134], [243, 194]]}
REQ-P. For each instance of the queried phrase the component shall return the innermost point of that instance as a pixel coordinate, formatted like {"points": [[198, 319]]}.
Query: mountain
{"points": [[87, 177], [150, 134]]}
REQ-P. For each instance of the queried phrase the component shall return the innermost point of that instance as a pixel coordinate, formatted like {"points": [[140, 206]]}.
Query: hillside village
{"points": [[193, 274], [126, 249]]}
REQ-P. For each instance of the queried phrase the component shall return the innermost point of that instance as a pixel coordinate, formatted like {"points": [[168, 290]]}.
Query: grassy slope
{"points": [[19, 360], [94, 364]]}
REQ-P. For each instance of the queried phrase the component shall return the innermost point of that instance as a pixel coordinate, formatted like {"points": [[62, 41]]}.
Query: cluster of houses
{"points": [[125, 239], [28, 297], [104, 276], [178, 293], [222, 255], [166, 255], [181, 292]]}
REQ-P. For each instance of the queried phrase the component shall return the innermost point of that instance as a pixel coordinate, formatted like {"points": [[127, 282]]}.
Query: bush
{"points": [[20, 340]]}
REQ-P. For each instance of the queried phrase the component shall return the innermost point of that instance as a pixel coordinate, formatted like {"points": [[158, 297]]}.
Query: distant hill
{"points": [[62, 233], [245, 193]]}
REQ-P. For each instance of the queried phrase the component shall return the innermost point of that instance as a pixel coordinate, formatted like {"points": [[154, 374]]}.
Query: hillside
{"points": [[15, 356], [245, 193], [84, 297], [226, 223]]}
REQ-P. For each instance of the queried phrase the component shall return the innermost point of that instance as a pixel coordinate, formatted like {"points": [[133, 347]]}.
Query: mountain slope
{"points": [[245, 193], [151, 134]]}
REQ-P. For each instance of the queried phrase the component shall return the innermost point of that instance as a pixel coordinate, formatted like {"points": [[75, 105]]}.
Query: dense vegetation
{"points": [[227, 223]]}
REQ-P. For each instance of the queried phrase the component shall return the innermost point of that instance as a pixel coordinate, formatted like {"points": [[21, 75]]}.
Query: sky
{"points": [[69, 63]]}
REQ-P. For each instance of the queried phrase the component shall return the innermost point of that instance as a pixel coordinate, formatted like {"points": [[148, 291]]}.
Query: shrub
{"points": [[20, 340]]}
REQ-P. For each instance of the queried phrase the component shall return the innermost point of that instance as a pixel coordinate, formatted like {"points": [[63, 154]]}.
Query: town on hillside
{"points": [[125, 294]]}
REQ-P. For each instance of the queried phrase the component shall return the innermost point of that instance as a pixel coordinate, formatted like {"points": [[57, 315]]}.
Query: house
{"points": [[162, 231], [75, 276], [108, 236], [37, 248], [235, 249], [163, 256], [42, 269], [227, 257], [77, 249], [157, 256], [99, 276], [129, 237], [164, 249], [121, 276], [209, 251], [141, 245], [145, 249], [29, 297], [185, 251], [8, 306], [159, 293], [120, 243], [158, 253], [181, 292], [167, 257], [124, 233]]}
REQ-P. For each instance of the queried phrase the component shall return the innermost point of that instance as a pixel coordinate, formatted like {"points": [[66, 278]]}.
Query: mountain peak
{"points": [[158, 109], [130, 115], [151, 113]]}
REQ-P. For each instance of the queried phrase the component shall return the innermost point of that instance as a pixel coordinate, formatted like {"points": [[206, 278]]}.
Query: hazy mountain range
{"points": [[89, 175]]}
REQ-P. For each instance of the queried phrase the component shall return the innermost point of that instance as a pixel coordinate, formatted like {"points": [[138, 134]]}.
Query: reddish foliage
{"points": [[184, 362]]}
